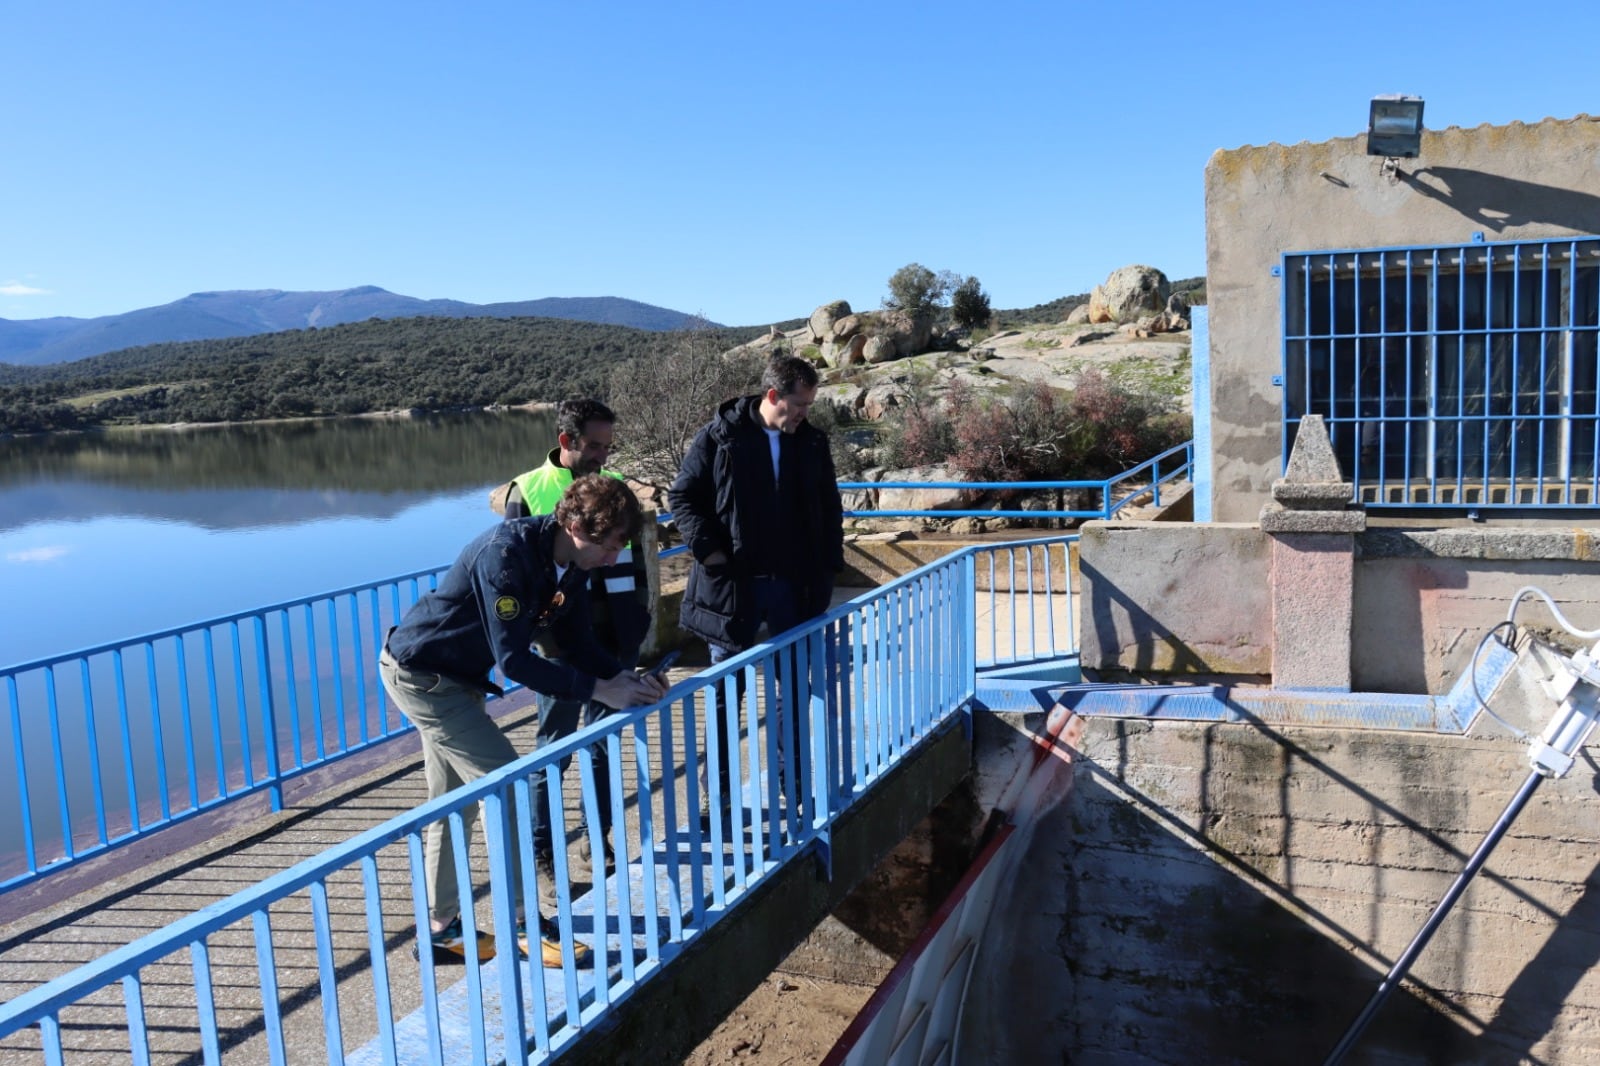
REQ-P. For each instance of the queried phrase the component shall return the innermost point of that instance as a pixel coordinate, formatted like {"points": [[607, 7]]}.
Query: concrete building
{"points": [[1398, 425], [1438, 316]]}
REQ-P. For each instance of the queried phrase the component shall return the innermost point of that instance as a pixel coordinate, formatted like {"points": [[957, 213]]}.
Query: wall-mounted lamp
{"points": [[1394, 126]]}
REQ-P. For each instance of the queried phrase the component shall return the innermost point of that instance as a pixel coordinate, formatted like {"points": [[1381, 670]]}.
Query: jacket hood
{"points": [[730, 413]]}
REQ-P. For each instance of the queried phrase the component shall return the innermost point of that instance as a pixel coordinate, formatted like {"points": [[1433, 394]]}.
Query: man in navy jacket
{"points": [[509, 586]]}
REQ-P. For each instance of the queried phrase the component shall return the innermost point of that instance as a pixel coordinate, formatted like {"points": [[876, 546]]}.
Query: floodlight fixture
{"points": [[1394, 126]]}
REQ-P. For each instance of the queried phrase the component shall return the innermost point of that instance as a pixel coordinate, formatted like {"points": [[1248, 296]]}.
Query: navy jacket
{"points": [[724, 499], [619, 595], [490, 606]]}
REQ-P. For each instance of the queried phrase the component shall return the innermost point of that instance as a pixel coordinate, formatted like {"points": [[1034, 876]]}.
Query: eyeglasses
{"points": [[548, 613]]}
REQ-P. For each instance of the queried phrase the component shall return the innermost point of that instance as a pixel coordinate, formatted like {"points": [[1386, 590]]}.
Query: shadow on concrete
{"points": [[1534, 998], [1242, 976], [1193, 938], [1500, 203], [1142, 631]]}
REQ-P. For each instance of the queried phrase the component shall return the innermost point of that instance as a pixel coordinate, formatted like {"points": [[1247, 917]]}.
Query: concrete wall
{"points": [[1233, 894], [1507, 182], [1165, 599], [1423, 599], [1182, 599]]}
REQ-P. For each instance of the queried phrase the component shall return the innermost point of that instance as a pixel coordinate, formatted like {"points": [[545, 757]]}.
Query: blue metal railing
{"points": [[1144, 480], [814, 719], [122, 739]]}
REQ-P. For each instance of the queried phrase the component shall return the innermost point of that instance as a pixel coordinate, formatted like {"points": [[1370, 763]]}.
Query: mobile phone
{"points": [[660, 668]]}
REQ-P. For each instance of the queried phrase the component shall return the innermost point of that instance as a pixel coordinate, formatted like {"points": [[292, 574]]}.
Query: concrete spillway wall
{"points": [[1221, 893]]}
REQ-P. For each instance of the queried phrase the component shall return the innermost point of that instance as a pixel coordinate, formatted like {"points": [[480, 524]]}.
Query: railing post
{"points": [[967, 622], [269, 715]]}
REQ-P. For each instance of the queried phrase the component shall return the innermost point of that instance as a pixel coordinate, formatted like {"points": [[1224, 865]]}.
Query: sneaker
{"points": [[550, 944], [450, 945]]}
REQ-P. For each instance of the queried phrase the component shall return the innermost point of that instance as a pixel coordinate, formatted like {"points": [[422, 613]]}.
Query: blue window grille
{"points": [[1451, 376]]}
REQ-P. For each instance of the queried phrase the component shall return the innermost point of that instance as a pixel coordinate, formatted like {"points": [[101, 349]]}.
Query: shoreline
{"points": [[394, 414]]}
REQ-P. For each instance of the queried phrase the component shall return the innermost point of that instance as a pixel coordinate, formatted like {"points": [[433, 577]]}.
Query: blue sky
{"points": [[747, 161]]}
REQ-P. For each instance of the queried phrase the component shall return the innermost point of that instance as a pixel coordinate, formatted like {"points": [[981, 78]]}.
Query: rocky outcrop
{"points": [[876, 400], [879, 349], [922, 499], [909, 333], [1130, 292], [846, 327], [824, 317], [852, 352]]}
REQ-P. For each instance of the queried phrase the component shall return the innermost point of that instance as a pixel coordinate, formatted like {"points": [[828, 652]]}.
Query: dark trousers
{"points": [[558, 719], [777, 604]]}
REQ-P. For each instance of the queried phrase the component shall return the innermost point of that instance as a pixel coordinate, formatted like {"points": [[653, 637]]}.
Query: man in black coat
{"points": [[757, 502]]}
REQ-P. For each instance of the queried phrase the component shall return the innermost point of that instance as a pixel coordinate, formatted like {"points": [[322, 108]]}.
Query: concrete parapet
{"points": [[1171, 598]]}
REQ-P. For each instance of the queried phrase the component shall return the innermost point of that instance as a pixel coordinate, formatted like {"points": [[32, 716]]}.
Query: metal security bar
{"points": [[773, 744], [114, 742], [1458, 376]]}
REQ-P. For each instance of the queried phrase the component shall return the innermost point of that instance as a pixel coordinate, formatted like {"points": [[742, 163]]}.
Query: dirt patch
{"points": [[790, 1018]]}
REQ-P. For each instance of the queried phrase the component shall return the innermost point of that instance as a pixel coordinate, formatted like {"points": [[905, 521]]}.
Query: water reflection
{"points": [[241, 477], [106, 536]]}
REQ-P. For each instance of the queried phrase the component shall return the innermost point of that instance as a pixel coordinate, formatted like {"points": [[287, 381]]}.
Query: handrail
{"points": [[868, 682], [1108, 508], [270, 701], [228, 707]]}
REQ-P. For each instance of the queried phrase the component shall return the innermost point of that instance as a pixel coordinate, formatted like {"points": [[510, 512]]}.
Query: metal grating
{"points": [[1453, 376]]}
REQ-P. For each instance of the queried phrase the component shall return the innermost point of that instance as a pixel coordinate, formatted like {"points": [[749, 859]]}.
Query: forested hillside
{"points": [[430, 363]]}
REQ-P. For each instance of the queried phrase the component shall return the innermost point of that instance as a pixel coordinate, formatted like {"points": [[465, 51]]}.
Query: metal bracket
{"points": [[1277, 379], [1277, 271]]}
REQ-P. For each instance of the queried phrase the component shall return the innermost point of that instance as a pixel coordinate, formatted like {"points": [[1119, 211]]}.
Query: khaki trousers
{"points": [[460, 743]]}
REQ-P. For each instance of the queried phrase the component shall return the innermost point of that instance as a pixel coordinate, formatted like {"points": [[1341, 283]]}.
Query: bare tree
{"points": [[662, 400]]}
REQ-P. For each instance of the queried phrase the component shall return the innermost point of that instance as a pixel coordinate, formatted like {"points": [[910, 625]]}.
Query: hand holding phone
{"points": [[660, 668]]}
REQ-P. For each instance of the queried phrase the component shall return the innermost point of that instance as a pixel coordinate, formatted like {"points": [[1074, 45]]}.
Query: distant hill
{"points": [[428, 362], [246, 313]]}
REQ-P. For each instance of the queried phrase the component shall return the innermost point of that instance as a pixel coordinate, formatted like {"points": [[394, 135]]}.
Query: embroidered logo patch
{"points": [[506, 608]]}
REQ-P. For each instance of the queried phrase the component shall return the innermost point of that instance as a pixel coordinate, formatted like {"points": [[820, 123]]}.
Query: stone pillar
{"points": [[1313, 565]]}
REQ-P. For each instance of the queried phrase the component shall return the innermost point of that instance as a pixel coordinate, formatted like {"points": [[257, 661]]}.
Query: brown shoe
{"points": [[450, 945], [550, 944]]}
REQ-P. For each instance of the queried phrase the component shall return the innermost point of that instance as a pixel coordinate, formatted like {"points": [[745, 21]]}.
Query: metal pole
{"points": [[1431, 926]]}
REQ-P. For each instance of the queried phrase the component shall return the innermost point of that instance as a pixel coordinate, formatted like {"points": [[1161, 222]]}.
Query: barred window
{"points": [[1460, 376]]}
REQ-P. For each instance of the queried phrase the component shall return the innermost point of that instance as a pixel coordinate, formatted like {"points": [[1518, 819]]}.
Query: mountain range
{"points": [[243, 313]]}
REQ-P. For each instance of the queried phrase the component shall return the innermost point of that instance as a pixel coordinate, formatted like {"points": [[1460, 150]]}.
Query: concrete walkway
{"points": [[129, 895], [72, 918]]}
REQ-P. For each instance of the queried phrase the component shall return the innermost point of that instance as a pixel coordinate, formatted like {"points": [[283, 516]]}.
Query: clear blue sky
{"points": [[748, 161]]}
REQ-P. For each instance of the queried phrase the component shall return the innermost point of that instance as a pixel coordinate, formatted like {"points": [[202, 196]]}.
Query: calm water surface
{"points": [[107, 536]]}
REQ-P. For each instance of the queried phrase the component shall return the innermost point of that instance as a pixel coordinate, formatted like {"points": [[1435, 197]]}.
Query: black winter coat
{"points": [[724, 500]]}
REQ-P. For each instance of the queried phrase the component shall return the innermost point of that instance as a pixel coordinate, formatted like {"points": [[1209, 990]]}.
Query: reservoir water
{"points": [[106, 536]]}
